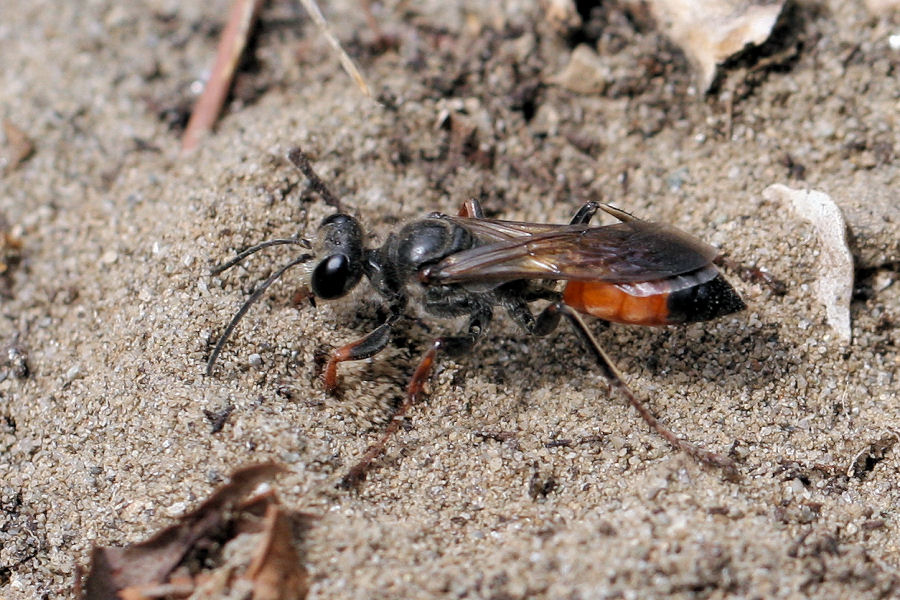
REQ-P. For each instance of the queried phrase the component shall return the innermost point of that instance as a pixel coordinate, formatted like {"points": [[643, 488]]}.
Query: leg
{"points": [[365, 347], [471, 208], [549, 319], [585, 213], [520, 313], [362, 348], [452, 346], [752, 274]]}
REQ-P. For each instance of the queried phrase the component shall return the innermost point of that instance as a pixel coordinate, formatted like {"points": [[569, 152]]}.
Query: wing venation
{"points": [[625, 252]]}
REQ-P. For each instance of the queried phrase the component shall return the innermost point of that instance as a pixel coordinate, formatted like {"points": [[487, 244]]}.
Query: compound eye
{"points": [[333, 277]]}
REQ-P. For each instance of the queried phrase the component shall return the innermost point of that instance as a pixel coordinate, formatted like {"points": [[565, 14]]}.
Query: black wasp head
{"points": [[341, 246]]}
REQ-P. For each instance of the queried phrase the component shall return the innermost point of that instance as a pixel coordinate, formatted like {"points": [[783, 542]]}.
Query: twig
{"points": [[234, 39], [231, 45], [301, 161], [313, 9]]}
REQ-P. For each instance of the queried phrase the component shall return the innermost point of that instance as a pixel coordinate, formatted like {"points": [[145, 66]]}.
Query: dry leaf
{"points": [[153, 569], [834, 286], [277, 572], [710, 31]]}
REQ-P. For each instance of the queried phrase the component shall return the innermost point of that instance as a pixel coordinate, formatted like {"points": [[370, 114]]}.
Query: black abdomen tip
{"points": [[714, 298]]}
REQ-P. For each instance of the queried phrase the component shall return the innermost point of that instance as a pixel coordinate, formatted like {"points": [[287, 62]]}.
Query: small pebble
{"points": [[73, 372], [176, 510]]}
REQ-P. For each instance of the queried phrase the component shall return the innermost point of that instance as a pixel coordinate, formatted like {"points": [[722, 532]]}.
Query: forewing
{"points": [[620, 253], [495, 230]]}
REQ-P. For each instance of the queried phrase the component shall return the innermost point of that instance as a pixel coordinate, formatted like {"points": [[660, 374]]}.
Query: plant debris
{"points": [[224, 548], [235, 37], [234, 40], [711, 31]]}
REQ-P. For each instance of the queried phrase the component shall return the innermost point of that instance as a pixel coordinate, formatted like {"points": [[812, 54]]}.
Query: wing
{"points": [[625, 252]]}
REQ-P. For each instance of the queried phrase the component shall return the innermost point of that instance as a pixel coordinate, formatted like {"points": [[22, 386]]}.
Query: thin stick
{"points": [[297, 156], [313, 9], [234, 38]]}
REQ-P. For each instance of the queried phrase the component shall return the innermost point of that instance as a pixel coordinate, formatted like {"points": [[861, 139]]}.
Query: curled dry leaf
{"points": [[834, 286], [276, 570], [242, 553], [710, 31]]}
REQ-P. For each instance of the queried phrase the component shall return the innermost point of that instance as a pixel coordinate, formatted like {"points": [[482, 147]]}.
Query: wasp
{"points": [[466, 265]]}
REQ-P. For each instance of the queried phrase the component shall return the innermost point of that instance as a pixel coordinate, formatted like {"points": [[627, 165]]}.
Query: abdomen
{"points": [[700, 295]]}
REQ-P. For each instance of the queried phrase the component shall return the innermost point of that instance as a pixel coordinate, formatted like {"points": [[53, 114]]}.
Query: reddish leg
{"points": [[366, 347], [753, 274], [357, 473], [471, 208], [453, 346]]}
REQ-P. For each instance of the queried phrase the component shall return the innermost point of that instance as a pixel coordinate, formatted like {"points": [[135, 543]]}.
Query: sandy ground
{"points": [[519, 477]]}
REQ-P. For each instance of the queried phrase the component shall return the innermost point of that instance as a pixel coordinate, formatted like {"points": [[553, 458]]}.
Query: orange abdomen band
{"points": [[611, 302]]}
